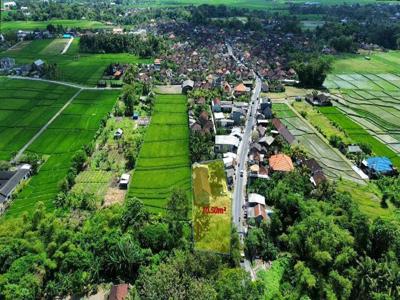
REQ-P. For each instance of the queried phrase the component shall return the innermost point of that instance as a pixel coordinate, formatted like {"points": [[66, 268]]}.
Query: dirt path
{"points": [[20, 152], [67, 46]]}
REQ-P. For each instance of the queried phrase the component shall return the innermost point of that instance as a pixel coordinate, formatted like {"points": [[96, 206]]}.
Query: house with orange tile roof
{"points": [[240, 89], [281, 163]]}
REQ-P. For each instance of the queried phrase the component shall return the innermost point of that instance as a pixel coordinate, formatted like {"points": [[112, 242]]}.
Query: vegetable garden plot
{"points": [[93, 182], [163, 161]]}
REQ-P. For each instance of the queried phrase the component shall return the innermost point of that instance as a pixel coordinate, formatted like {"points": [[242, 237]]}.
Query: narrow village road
{"points": [[241, 174], [30, 142], [74, 85], [241, 182]]}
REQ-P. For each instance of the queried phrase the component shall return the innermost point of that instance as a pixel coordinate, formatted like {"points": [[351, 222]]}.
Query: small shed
{"points": [[119, 292], [354, 149], [124, 181], [378, 165], [187, 86], [118, 133], [135, 115]]}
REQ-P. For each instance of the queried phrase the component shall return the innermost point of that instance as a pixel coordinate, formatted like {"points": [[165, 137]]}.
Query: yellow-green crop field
{"points": [[212, 208]]}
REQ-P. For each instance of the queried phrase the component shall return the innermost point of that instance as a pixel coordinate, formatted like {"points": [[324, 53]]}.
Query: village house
{"points": [[226, 143], [124, 181], [240, 90], [257, 212], [317, 173], [7, 63], [256, 199], [280, 163], [9, 180], [319, 99], [375, 166], [283, 131], [187, 86], [9, 5], [118, 30], [118, 133]]}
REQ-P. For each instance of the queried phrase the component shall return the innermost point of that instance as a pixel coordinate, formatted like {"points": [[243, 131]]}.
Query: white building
{"points": [[226, 143]]}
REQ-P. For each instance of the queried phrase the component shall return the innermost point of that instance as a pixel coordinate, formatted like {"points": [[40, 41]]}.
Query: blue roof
{"points": [[380, 164]]}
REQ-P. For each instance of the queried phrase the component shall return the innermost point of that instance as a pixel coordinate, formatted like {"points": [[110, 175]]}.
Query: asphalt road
{"points": [[240, 182]]}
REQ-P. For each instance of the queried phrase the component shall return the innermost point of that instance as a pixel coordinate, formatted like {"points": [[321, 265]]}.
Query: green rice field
{"points": [[359, 134], [32, 25], [82, 68], [380, 62], [74, 128], [333, 164], [371, 100], [25, 107], [368, 199], [163, 161]]}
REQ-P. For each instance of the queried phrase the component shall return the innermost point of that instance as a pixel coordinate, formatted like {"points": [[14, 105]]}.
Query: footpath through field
{"points": [[77, 86], [20, 152], [67, 46]]}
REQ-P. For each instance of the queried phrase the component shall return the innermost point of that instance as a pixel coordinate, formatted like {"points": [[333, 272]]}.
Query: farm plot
{"points": [[381, 81], [25, 106], [163, 161], [69, 133], [333, 164], [55, 47], [359, 134], [32, 25], [382, 62], [82, 68], [371, 100], [94, 182]]}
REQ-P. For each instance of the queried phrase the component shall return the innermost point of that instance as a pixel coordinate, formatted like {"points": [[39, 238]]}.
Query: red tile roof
{"points": [[281, 162]]}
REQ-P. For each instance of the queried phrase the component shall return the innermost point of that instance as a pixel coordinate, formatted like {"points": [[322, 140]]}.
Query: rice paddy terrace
{"points": [[335, 166], [368, 104]]}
